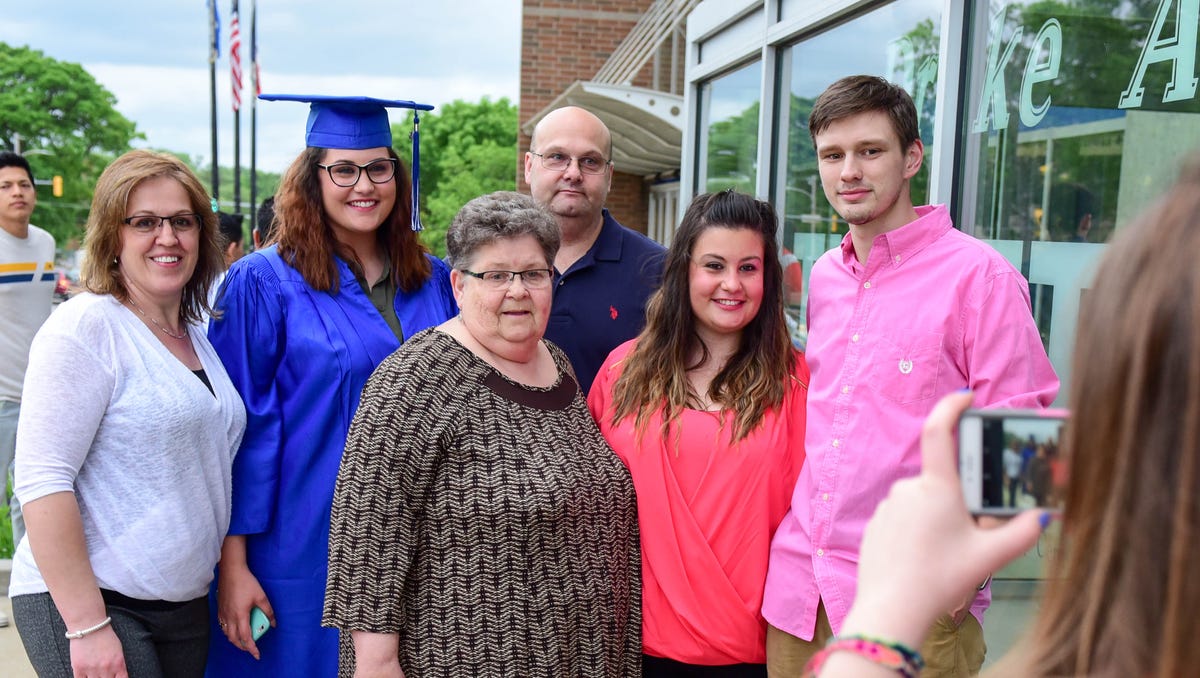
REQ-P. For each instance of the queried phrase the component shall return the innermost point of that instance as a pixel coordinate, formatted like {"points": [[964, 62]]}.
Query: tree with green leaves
{"points": [[67, 124], [732, 151], [467, 150]]}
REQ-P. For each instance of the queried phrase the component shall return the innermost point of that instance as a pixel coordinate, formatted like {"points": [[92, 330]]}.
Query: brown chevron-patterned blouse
{"points": [[486, 522]]}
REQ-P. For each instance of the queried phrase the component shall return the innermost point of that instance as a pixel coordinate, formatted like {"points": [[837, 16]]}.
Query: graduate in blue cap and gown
{"points": [[302, 325]]}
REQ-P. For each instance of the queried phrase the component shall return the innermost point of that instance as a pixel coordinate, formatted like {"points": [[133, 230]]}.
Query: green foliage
{"points": [[732, 151], [1102, 43], [467, 150], [266, 186], [7, 547], [58, 107]]}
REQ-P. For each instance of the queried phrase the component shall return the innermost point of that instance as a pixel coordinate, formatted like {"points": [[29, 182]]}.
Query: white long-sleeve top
{"points": [[109, 413]]}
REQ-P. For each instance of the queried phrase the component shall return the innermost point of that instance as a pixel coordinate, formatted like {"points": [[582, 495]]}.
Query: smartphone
{"points": [[259, 624], [1012, 460]]}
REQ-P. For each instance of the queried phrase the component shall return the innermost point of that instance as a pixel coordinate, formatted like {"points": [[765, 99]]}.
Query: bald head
{"points": [[576, 120], [578, 148]]}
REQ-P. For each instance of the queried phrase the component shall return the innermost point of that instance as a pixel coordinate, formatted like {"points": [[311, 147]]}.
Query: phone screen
{"points": [[1011, 461]]}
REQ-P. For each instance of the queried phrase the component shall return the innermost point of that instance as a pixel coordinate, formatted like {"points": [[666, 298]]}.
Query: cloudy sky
{"points": [[153, 56]]}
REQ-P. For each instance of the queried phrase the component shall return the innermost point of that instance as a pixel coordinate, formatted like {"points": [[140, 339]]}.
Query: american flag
{"points": [[235, 57]]}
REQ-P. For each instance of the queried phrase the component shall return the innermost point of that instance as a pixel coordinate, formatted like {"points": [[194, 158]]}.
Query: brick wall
{"points": [[563, 41]]}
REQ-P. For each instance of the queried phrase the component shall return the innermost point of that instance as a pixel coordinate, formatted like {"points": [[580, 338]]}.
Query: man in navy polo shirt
{"points": [[604, 272]]}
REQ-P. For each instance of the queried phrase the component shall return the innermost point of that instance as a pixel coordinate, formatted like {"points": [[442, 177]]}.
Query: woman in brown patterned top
{"points": [[481, 525]]}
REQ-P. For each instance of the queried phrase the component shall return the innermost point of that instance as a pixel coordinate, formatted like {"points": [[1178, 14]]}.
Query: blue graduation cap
{"points": [[356, 123]]}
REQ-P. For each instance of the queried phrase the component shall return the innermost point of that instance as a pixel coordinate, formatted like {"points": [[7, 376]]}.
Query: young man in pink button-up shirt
{"points": [[906, 310]]}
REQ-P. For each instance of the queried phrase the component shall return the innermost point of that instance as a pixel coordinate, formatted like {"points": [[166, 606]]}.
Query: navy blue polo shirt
{"points": [[600, 302]]}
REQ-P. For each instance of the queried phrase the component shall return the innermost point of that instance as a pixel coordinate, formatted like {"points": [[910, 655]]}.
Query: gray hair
{"points": [[496, 216]]}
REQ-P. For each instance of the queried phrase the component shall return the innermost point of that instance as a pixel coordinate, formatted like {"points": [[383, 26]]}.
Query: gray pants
{"points": [[160, 639], [8, 447]]}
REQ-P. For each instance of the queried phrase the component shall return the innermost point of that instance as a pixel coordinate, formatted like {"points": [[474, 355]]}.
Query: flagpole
{"points": [[235, 65], [214, 48], [254, 89]]}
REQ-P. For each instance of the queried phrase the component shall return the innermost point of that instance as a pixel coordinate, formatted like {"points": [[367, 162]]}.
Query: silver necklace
{"points": [[165, 331]]}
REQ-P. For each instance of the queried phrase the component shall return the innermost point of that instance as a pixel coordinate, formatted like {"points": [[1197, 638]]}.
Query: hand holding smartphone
{"points": [[259, 624], [1011, 460]]}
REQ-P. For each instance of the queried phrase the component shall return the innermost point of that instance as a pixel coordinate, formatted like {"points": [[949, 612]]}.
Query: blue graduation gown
{"points": [[299, 358]]}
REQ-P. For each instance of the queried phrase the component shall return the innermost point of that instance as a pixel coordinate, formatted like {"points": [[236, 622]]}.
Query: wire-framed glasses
{"points": [[346, 174], [534, 278], [557, 162], [149, 223]]}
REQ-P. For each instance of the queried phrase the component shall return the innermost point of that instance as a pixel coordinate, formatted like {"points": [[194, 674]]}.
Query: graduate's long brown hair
{"points": [[756, 377], [306, 239]]}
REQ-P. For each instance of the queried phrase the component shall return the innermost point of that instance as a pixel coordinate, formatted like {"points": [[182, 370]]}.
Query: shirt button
{"points": [[825, 497], [845, 389], [836, 442], [867, 285], [897, 258], [820, 552], [854, 338]]}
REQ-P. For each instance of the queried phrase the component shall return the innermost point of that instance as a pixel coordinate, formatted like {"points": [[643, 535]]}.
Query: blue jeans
{"points": [[8, 448]]}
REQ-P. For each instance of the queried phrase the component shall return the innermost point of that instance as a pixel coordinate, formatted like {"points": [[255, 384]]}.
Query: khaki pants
{"points": [[949, 651]]}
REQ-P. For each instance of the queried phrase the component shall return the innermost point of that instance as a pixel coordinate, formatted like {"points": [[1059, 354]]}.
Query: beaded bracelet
{"points": [[898, 656], [73, 635]]}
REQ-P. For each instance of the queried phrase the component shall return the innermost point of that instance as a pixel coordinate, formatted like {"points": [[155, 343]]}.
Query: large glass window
{"points": [[728, 149], [1076, 116], [898, 41]]}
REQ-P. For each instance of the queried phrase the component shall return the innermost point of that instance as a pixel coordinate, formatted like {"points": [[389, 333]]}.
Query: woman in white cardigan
{"points": [[124, 446]]}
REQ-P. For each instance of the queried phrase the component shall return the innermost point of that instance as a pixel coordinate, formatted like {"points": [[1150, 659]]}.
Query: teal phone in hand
{"points": [[259, 624]]}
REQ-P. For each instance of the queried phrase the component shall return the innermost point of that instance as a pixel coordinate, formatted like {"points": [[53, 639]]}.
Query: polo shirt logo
{"points": [[612, 311]]}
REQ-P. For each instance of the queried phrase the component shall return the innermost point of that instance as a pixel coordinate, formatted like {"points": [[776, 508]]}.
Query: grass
{"points": [[6, 542]]}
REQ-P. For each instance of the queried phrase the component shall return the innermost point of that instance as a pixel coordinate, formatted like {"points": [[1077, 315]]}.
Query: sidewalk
{"points": [[1013, 605], [13, 663]]}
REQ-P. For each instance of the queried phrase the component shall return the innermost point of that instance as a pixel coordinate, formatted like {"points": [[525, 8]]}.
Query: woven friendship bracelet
{"points": [[73, 635], [897, 656]]}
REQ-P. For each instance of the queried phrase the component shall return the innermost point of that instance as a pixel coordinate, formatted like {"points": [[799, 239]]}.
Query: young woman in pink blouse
{"points": [[706, 408]]}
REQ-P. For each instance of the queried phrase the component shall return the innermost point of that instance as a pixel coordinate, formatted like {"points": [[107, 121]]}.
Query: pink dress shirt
{"points": [[933, 311], [706, 511]]}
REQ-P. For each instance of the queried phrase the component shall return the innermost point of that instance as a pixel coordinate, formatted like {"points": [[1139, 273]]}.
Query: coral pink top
{"points": [[707, 509]]}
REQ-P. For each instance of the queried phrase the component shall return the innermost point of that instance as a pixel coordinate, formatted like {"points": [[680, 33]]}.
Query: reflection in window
{"points": [[1076, 112], [1076, 115], [729, 108], [898, 41], [1041, 298]]}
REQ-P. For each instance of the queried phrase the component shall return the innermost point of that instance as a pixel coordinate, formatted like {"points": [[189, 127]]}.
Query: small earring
{"points": [[116, 260]]}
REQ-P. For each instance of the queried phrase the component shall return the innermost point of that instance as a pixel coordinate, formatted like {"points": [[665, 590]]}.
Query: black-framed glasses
{"points": [[346, 174], [557, 162], [534, 278], [149, 223]]}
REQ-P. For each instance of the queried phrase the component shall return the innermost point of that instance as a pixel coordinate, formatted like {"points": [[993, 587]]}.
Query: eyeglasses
{"points": [[146, 224], [534, 278], [557, 162], [346, 174]]}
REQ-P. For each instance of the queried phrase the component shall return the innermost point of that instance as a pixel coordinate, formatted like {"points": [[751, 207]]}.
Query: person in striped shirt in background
{"points": [[26, 297]]}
